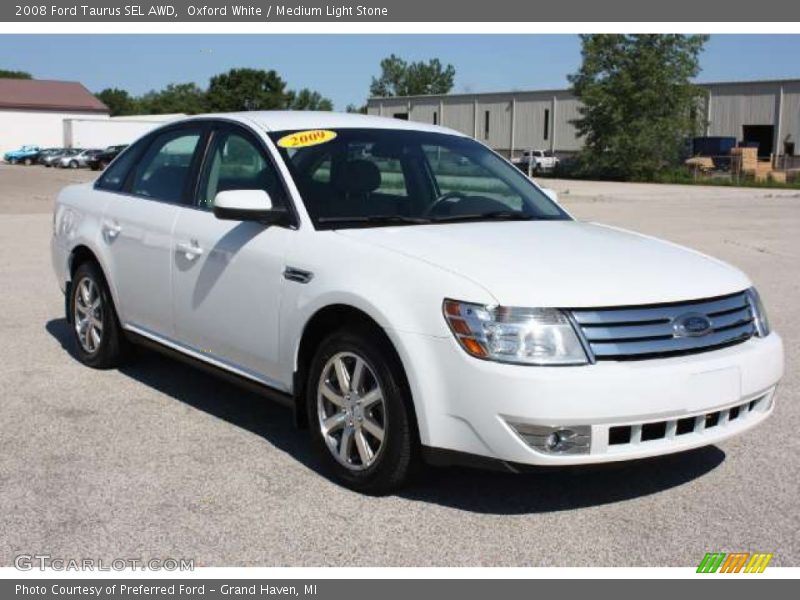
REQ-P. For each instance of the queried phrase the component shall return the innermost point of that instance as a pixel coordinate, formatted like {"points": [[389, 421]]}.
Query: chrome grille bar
{"points": [[658, 312], [641, 332]]}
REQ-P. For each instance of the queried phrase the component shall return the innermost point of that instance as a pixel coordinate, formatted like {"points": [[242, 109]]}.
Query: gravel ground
{"points": [[159, 460]]}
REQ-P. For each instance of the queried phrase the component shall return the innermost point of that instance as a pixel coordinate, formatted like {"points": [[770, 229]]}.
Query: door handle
{"points": [[111, 230], [190, 250]]}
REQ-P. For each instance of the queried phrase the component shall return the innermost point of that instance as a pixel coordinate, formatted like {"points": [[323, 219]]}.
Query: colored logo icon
{"points": [[734, 562]]}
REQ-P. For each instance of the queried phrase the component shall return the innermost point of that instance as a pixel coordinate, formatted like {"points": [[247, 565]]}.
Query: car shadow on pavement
{"points": [[465, 489], [553, 490], [211, 394]]}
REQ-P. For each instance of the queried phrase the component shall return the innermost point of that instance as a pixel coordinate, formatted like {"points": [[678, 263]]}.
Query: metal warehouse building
{"points": [[766, 112]]}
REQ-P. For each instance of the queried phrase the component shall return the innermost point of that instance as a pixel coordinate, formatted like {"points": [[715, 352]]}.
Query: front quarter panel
{"points": [[402, 294], [399, 292]]}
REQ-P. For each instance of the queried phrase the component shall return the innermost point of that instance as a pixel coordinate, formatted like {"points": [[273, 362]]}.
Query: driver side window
{"points": [[236, 162], [458, 174]]}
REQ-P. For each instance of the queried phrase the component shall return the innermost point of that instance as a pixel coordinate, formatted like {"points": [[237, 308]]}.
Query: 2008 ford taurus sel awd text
{"points": [[411, 294]]}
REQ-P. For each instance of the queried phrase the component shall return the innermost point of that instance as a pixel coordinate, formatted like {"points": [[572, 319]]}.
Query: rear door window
{"points": [[163, 172]]}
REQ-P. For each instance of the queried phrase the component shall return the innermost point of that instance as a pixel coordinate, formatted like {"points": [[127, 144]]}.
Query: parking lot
{"points": [[158, 460]]}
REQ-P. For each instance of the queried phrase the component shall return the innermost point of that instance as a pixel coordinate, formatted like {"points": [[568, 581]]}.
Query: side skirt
{"points": [[278, 396]]}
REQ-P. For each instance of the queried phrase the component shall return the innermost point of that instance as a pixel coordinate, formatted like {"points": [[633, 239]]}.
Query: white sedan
{"points": [[410, 294]]}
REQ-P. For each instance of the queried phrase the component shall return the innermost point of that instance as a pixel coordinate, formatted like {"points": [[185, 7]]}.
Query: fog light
{"points": [[571, 439], [552, 441]]}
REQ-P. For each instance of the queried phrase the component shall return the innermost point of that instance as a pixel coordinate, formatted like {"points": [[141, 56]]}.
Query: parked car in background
{"points": [[26, 155], [48, 154], [79, 159], [100, 160], [411, 295], [539, 160], [52, 160]]}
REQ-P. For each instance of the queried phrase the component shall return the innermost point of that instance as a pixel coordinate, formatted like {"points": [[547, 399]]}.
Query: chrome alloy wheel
{"points": [[351, 410], [88, 315]]}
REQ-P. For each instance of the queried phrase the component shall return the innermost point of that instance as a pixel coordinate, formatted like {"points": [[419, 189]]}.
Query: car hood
{"points": [[561, 263]]}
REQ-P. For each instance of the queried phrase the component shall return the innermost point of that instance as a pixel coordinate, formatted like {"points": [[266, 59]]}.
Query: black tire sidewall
{"points": [[109, 353], [398, 456]]}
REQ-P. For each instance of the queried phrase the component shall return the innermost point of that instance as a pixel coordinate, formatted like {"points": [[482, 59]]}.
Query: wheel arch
{"points": [[322, 323], [79, 254]]}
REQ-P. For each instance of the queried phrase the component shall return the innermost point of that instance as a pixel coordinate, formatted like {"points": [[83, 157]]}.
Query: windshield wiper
{"points": [[495, 215], [376, 220]]}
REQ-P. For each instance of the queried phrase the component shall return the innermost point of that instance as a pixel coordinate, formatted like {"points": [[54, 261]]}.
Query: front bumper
{"points": [[663, 405]]}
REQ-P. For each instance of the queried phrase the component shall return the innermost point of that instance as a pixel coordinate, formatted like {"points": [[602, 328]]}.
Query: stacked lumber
{"points": [[763, 170], [701, 163], [745, 160]]}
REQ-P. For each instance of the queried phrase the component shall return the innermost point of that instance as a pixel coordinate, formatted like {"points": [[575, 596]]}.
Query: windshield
{"points": [[372, 177]]}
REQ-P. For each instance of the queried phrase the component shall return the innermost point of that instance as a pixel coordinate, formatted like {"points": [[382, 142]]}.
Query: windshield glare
{"points": [[368, 177]]}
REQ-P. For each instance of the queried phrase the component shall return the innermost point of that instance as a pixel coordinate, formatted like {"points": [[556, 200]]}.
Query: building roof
{"points": [[702, 84], [40, 94]]}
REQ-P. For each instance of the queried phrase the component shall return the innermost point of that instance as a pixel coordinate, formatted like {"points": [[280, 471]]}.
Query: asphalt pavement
{"points": [[159, 460]]}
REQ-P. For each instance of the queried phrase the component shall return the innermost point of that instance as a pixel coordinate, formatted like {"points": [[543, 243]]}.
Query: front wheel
{"points": [[360, 414], [73, 164], [28, 162], [97, 335]]}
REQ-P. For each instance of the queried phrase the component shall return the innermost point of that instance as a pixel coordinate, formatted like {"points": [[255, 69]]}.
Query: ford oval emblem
{"points": [[691, 325]]}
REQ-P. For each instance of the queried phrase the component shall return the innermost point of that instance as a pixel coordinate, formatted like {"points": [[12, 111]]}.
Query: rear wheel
{"points": [[360, 415], [28, 162], [73, 164], [96, 331]]}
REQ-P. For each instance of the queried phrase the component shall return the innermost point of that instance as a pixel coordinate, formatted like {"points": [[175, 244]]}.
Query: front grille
{"points": [[622, 435], [640, 332]]}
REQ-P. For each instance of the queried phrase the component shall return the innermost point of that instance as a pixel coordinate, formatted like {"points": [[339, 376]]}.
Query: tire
{"points": [[394, 452], [28, 162], [73, 164], [13, 161], [103, 349]]}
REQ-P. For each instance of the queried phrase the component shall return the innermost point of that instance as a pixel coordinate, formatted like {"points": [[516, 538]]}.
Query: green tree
{"points": [[637, 101], [175, 98], [246, 89], [118, 101], [6, 74], [305, 99], [399, 78], [352, 108]]}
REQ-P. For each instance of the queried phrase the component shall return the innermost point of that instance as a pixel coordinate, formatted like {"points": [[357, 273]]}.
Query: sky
{"points": [[341, 66]]}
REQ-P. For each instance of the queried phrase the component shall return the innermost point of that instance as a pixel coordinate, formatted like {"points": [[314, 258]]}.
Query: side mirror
{"points": [[247, 205], [552, 194]]}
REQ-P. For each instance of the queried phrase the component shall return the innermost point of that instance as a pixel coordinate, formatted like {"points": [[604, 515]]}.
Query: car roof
{"points": [[288, 120]]}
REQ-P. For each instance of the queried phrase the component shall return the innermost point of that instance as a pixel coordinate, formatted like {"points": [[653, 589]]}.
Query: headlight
{"points": [[759, 313], [529, 336]]}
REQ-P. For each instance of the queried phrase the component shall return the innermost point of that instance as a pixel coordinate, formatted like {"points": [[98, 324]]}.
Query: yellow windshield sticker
{"points": [[302, 139]]}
